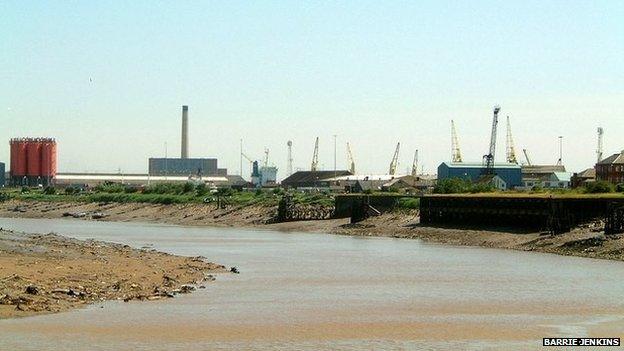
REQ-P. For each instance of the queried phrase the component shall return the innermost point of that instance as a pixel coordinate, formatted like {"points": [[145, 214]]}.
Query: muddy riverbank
{"points": [[50, 273], [588, 241]]}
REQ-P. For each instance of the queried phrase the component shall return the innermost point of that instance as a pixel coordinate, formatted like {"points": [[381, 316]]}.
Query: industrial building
{"points": [[545, 176], [89, 180], [312, 179], [185, 167], [362, 182], [582, 178], [510, 174], [611, 169], [2, 174], [33, 161], [265, 176]]}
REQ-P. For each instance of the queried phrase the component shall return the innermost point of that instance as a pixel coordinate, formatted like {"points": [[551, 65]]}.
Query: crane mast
{"points": [[395, 160], [351, 159], [266, 157], [314, 166], [415, 164], [489, 158], [289, 167], [455, 151], [599, 150], [511, 150], [526, 155]]}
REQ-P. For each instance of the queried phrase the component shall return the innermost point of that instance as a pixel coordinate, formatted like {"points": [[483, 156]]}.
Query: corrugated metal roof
{"points": [[613, 159], [543, 168], [128, 177], [382, 177], [480, 165]]}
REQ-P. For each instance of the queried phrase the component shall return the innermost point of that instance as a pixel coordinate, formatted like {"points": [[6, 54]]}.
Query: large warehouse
{"points": [[511, 174], [185, 167]]}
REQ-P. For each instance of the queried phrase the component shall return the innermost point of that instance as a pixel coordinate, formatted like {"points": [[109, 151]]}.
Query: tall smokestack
{"points": [[184, 132]]}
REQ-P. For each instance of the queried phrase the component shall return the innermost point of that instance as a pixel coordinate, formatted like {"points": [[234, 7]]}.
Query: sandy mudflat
{"points": [[51, 273]]}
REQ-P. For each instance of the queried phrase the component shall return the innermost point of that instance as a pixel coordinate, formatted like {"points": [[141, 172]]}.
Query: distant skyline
{"points": [[108, 80]]}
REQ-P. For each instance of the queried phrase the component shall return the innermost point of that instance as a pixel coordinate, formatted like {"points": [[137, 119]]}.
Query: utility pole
{"points": [[166, 169], [241, 157], [560, 162], [335, 136]]}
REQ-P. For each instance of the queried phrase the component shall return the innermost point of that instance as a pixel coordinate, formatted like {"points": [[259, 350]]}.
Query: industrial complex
{"points": [[34, 163]]}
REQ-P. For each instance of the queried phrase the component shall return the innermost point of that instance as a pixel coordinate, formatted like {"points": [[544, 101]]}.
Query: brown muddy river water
{"points": [[301, 291]]}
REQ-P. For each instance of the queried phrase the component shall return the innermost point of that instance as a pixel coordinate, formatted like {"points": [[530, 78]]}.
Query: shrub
{"points": [[109, 187], [225, 192], [409, 203], [200, 189], [599, 186], [620, 188], [25, 189], [49, 190], [188, 187], [459, 185], [128, 189]]}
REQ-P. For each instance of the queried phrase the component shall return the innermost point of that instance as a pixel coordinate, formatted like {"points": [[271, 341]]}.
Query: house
{"points": [[611, 169], [582, 178]]}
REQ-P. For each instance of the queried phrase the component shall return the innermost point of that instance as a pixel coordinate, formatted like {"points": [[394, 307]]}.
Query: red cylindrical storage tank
{"points": [[13, 144], [48, 158], [53, 159], [34, 158], [20, 159]]}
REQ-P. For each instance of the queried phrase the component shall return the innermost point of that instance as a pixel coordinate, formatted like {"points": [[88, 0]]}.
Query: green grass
{"points": [[175, 194]]}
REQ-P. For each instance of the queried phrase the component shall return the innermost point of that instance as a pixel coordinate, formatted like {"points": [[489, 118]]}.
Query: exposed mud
{"points": [[50, 273], [588, 241]]}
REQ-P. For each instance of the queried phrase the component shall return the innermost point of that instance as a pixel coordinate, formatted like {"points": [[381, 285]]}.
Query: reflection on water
{"points": [[316, 291]]}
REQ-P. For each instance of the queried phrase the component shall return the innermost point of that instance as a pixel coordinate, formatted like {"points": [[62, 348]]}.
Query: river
{"points": [[303, 291]]}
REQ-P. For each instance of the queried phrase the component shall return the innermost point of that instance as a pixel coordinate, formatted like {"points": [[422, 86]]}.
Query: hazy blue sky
{"points": [[108, 79]]}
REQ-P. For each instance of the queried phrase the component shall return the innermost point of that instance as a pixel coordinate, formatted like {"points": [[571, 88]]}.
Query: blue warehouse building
{"points": [[509, 173]]}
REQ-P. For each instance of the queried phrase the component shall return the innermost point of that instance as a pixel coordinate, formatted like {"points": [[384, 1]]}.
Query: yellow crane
{"points": [[511, 150], [455, 151], [314, 166], [351, 159], [395, 160], [415, 164]]}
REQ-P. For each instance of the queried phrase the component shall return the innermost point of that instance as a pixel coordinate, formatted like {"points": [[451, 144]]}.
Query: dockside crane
{"points": [[489, 158], [526, 155], [415, 164], [599, 150], [456, 156], [395, 160], [250, 162], [511, 150], [351, 159], [314, 166]]}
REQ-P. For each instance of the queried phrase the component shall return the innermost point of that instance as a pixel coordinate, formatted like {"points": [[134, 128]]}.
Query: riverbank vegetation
{"points": [[165, 193]]}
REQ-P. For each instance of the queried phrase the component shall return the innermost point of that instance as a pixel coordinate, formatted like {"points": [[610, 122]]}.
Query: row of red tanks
{"points": [[33, 161]]}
